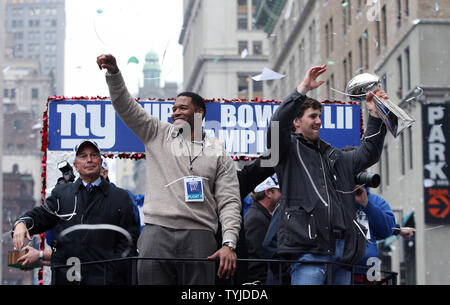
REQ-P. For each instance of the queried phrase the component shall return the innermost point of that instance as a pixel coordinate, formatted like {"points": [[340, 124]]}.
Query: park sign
{"points": [[241, 126], [436, 155]]}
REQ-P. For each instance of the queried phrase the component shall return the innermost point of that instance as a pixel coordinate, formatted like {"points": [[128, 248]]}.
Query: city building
{"points": [[2, 56], [405, 43], [219, 58], [17, 199], [38, 28], [293, 32], [24, 94]]}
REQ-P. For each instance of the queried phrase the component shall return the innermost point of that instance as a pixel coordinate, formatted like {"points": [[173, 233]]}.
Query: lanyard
{"points": [[191, 161]]}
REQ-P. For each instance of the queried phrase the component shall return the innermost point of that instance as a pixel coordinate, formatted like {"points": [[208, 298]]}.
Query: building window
{"points": [[243, 87], [18, 124], [402, 153], [34, 11], [331, 35], [50, 47], [13, 93], [5, 92], [242, 45], [17, 23], [34, 35], [332, 84], [344, 15], [360, 48], [51, 22], [400, 77], [378, 25], [384, 80], [312, 40], [257, 47], [349, 12], [406, 8], [34, 93], [242, 15], [399, 13], [366, 48], [410, 144], [384, 20], [328, 89], [34, 23], [344, 64], [34, 47], [350, 64], [301, 59], [18, 35], [242, 21], [327, 40], [258, 89], [408, 69], [50, 35]]}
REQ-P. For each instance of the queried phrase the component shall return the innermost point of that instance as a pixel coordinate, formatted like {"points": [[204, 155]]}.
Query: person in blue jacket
{"points": [[375, 214]]}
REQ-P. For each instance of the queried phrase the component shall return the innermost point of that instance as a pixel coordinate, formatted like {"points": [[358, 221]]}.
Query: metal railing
{"points": [[386, 277]]}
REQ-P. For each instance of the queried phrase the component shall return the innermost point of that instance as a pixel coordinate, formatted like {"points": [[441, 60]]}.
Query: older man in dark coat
{"points": [[89, 200]]}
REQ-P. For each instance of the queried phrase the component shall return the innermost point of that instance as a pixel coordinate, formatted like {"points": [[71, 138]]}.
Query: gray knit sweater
{"points": [[167, 164]]}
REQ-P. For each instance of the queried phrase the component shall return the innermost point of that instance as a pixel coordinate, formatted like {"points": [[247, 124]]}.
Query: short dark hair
{"points": [[196, 99], [257, 196], [309, 103]]}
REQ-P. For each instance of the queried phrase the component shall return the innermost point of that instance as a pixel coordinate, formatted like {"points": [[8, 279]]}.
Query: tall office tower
{"points": [[2, 52], [38, 27], [223, 48]]}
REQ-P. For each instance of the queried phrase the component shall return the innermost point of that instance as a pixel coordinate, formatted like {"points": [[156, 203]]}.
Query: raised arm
{"points": [[290, 108], [130, 112]]}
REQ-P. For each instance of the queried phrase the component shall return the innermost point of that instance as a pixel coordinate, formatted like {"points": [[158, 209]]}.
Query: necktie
{"points": [[89, 187]]}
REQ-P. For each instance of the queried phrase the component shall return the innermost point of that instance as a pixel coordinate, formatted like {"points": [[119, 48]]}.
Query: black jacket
{"points": [[105, 204], [249, 177], [256, 222], [316, 183]]}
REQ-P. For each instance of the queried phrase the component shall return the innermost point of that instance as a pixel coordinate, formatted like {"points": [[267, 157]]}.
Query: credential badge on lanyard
{"points": [[193, 189]]}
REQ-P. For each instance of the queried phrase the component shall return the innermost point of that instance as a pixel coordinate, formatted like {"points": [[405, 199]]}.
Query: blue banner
{"points": [[240, 126]]}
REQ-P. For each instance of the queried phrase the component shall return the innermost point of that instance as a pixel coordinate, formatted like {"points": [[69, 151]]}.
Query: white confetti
{"points": [[267, 74]]}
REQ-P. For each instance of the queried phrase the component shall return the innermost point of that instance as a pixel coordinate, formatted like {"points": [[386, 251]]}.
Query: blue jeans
{"points": [[316, 274]]}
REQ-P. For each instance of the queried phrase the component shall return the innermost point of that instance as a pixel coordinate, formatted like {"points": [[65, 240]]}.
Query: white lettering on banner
{"points": [[436, 146], [247, 138], [245, 116], [106, 133], [227, 116], [238, 141], [263, 115], [230, 138], [343, 119], [66, 119]]}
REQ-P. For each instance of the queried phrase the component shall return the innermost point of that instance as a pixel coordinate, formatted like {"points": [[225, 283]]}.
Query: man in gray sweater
{"points": [[192, 184]]}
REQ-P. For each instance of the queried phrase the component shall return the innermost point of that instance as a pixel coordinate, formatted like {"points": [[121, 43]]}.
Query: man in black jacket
{"points": [[265, 198], [317, 211], [90, 200], [249, 177]]}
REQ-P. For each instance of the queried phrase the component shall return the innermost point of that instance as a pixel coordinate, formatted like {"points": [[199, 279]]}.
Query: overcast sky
{"points": [[124, 28]]}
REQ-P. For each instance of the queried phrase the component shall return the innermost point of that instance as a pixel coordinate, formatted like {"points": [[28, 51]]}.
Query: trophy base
{"points": [[13, 256]]}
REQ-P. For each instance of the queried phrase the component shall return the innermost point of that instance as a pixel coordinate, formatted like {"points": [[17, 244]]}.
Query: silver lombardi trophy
{"points": [[395, 118]]}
